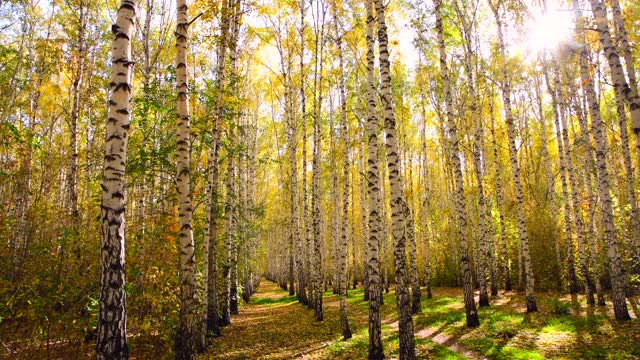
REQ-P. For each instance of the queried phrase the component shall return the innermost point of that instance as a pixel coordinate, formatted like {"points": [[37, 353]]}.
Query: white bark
{"points": [[112, 317]]}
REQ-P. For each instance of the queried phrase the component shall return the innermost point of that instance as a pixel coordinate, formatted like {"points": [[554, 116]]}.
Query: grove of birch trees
{"points": [[159, 159]]}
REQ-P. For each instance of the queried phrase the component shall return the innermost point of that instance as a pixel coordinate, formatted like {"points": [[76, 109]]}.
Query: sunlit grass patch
{"points": [[559, 325], [512, 353], [274, 301], [354, 348]]}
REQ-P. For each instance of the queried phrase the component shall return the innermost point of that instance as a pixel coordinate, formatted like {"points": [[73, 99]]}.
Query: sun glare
{"points": [[547, 31]]}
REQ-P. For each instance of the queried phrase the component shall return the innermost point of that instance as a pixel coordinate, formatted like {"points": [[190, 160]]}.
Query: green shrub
{"points": [[559, 307]]}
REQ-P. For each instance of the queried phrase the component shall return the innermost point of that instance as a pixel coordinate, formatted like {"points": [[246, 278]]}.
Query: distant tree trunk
{"points": [[426, 208], [485, 251], [398, 202], [598, 130], [344, 241], [211, 242], [343, 258], [230, 236], [484, 260], [336, 215], [575, 202], [504, 245], [416, 305], [213, 317], [19, 244], [364, 225], [185, 345], [317, 226], [292, 137], [373, 187], [454, 154], [252, 149], [384, 212], [76, 89], [589, 171], [232, 200], [305, 291], [550, 195], [112, 318], [317, 171], [243, 209], [515, 167], [557, 102]]}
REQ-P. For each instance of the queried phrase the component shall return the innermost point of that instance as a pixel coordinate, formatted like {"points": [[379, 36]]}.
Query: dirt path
{"points": [[274, 326]]}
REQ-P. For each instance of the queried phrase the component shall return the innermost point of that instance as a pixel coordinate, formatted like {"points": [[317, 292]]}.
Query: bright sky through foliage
{"points": [[547, 31]]}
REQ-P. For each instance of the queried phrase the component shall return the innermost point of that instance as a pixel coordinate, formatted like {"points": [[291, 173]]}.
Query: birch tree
{"points": [[398, 202], [374, 188], [187, 324], [604, 189], [112, 319], [515, 167]]}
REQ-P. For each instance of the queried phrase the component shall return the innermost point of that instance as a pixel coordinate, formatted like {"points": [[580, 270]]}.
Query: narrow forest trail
{"points": [[275, 326]]}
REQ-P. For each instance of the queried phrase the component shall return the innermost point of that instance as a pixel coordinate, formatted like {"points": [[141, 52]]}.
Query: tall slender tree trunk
{"points": [[211, 242], [364, 210], [590, 183], [344, 240], [623, 41], [374, 184], [317, 225], [336, 215], [317, 171], [416, 305], [625, 92], [515, 167], [112, 318], [213, 319], [305, 291], [484, 260], [504, 245], [76, 89], [414, 281], [384, 238], [294, 237], [233, 57], [577, 214], [398, 202], [187, 330], [557, 102], [598, 130], [454, 154], [426, 205]]}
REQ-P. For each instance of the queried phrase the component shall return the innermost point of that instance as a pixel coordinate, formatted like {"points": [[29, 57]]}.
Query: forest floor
{"points": [[275, 326]]}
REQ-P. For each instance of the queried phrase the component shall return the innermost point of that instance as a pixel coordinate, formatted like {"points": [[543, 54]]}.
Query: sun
{"points": [[549, 30]]}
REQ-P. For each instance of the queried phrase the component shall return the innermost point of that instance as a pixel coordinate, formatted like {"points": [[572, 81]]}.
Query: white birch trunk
{"points": [[112, 318]]}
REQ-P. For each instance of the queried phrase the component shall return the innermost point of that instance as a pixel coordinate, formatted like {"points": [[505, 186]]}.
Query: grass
{"points": [[273, 301], [274, 326]]}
